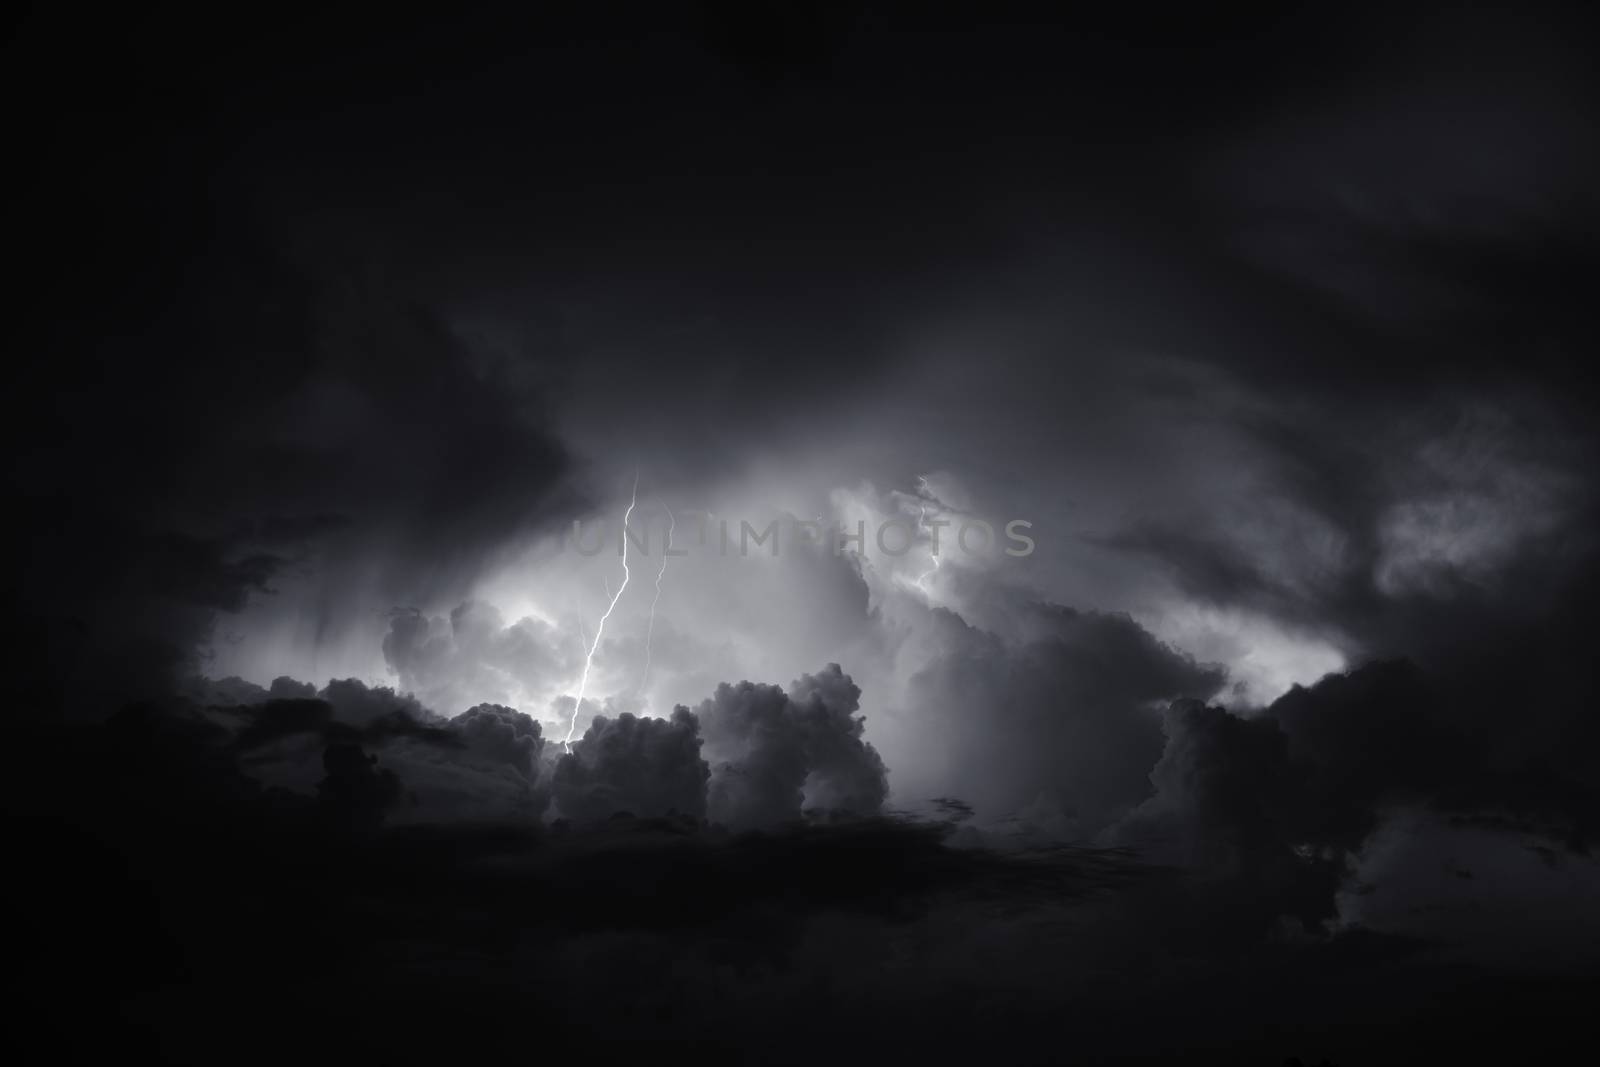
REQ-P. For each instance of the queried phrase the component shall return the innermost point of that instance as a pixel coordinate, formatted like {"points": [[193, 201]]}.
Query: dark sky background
{"points": [[1274, 325]]}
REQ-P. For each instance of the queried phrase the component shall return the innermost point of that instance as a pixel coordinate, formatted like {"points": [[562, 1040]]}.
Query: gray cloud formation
{"points": [[380, 457], [503, 734], [773, 752], [1276, 807], [649, 768], [1059, 726], [769, 758], [473, 655], [483, 764]]}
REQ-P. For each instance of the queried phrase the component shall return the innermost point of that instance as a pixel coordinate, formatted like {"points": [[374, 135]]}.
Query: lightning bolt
{"points": [[923, 489], [672, 525], [600, 627]]}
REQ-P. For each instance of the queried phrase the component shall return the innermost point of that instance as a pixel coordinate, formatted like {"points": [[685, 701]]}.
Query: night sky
{"points": [[1109, 550]]}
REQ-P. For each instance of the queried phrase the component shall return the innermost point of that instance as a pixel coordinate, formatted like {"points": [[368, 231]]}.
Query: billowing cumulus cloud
{"points": [[355, 703], [649, 768], [503, 734], [1280, 805], [475, 655], [750, 756], [481, 765], [773, 753], [1059, 727], [1227, 806]]}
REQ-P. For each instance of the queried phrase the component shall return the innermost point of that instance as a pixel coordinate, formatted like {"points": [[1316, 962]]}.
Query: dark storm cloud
{"points": [[872, 927], [346, 706], [1441, 213], [354, 702], [382, 754], [275, 380], [1423, 460], [336, 312], [258, 890], [502, 733], [1277, 806], [1226, 806], [1272, 809], [1370, 738], [1466, 547], [1360, 517], [771, 751], [279, 718], [478, 778], [356, 792], [357, 376], [648, 768], [769, 758], [385, 337], [258, 399], [285, 688], [1058, 728]]}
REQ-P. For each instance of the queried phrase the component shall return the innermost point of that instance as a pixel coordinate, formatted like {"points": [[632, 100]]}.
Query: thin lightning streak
{"points": [[600, 627], [672, 525], [922, 521]]}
